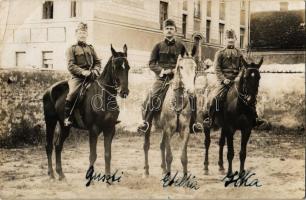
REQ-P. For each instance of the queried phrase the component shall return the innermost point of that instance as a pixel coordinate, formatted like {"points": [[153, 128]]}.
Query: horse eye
{"points": [[181, 67]]}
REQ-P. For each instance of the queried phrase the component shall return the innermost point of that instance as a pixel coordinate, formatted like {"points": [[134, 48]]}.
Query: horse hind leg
{"points": [[64, 133], [93, 139], [50, 128], [146, 147], [207, 144]]}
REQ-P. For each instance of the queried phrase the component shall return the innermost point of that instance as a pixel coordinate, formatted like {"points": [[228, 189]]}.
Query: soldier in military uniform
{"points": [[83, 63], [227, 65], [162, 62]]}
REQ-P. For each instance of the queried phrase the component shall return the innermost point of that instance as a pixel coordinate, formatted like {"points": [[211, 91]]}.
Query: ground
{"points": [[277, 160]]}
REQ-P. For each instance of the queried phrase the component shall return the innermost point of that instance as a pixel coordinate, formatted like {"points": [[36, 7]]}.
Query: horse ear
{"points": [[125, 49], [245, 64], [113, 50], [260, 62]]}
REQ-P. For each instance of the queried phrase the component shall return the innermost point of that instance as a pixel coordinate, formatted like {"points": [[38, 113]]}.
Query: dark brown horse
{"points": [[237, 114], [98, 107]]}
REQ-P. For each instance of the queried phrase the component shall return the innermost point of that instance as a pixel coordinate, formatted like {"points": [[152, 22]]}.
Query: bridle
{"points": [[116, 85], [244, 95]]}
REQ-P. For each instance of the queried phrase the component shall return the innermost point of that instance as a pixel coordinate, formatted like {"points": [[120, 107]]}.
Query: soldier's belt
{"points": [[167, 66]]}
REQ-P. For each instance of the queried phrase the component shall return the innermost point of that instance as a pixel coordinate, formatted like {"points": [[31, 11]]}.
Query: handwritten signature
{"points": [[241, 179], [188, 181], [91, 176]]}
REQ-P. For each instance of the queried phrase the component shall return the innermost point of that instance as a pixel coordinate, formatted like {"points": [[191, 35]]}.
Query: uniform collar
{"points": [[82, 44], [170, 41]]}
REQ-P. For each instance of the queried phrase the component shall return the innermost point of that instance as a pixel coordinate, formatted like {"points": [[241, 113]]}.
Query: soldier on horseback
{"points": [[83, 64], [227, 63], [162, 63]]}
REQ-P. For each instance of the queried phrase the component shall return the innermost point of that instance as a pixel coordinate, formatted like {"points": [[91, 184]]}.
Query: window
{"points": [[47, 61], [209, 8], [222, 10], [73, 9], [48, 10], [185, 5], [242, 32], [163, 13], [184, 25], [208, 31], [221, 34], [242, 13], [21, 59], [197, 9]]}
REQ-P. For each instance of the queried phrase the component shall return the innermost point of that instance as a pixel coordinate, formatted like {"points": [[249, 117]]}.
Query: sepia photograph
{"points": [[152, 99]]}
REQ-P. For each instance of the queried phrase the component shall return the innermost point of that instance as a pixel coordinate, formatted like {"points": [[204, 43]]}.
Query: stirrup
{"points": [[67, 122], [197, 127], [207, 122], [144, 127]]}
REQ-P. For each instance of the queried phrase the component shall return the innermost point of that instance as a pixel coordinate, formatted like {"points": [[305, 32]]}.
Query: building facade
{"points": [[37, 34]]}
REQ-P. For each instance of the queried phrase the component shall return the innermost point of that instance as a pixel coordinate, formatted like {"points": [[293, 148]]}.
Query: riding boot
{"points": [[194, 127], [258, 120], [148, 118], [68, 107]]}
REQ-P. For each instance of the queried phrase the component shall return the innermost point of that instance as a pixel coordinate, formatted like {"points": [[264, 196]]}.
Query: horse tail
{"points": [[48, 105]]}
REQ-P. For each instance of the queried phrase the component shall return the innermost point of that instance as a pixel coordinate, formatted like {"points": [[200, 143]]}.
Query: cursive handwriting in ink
{"points": [[241, 179], [91, 176], [188, 181]]}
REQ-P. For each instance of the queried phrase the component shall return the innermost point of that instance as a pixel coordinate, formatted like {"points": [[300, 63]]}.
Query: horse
{"points": [[96, 118], [175, 114], [237, 114]]}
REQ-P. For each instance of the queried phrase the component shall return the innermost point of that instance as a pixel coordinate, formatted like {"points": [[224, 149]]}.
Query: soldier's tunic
{"points": [[164, 56], [80, 57], [227, 64]]}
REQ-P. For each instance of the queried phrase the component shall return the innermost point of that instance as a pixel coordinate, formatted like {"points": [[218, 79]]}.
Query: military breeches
{"points": [[219, 96], [155, 99], [74, 88]]}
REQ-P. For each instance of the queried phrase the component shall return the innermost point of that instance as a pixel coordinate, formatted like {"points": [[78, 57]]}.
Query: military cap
{"points": [[169, 22], [82, 26], [230, 34]]}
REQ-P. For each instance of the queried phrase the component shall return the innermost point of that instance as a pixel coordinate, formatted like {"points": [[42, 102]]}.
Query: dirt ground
{"points": [[277, 160]]}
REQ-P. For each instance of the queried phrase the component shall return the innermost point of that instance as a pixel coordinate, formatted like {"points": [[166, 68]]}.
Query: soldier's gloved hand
{"points": [[86, 73], [95, 73], [227, 81]]}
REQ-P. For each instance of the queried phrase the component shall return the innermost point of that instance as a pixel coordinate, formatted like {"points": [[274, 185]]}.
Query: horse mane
{"points": [[106, 68]]}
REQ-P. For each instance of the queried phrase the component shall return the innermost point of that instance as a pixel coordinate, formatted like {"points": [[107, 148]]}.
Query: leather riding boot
{"points": [[68, 107], [194, 127]]}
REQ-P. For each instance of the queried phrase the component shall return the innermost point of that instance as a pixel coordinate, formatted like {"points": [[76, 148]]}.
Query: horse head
{"points": [[249, 81], [120, 68], [185, 73]]}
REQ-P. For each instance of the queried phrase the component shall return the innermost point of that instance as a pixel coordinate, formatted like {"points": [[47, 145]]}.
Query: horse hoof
{"points": [[145, 175], [51, 175], [206, 172], [62, 178]]}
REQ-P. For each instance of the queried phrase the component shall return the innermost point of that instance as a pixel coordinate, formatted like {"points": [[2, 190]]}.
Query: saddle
{"points": [[60, 88]]}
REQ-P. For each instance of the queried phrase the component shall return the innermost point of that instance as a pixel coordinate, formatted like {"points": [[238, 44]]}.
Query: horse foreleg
{"points": [[169, 156], [50, 127], [163, 155], [108, 137], [207, 144], [146, 147], [221, 145], [64, 133], [184, 156], [93, 138], [230, 152], [245, 135]]}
